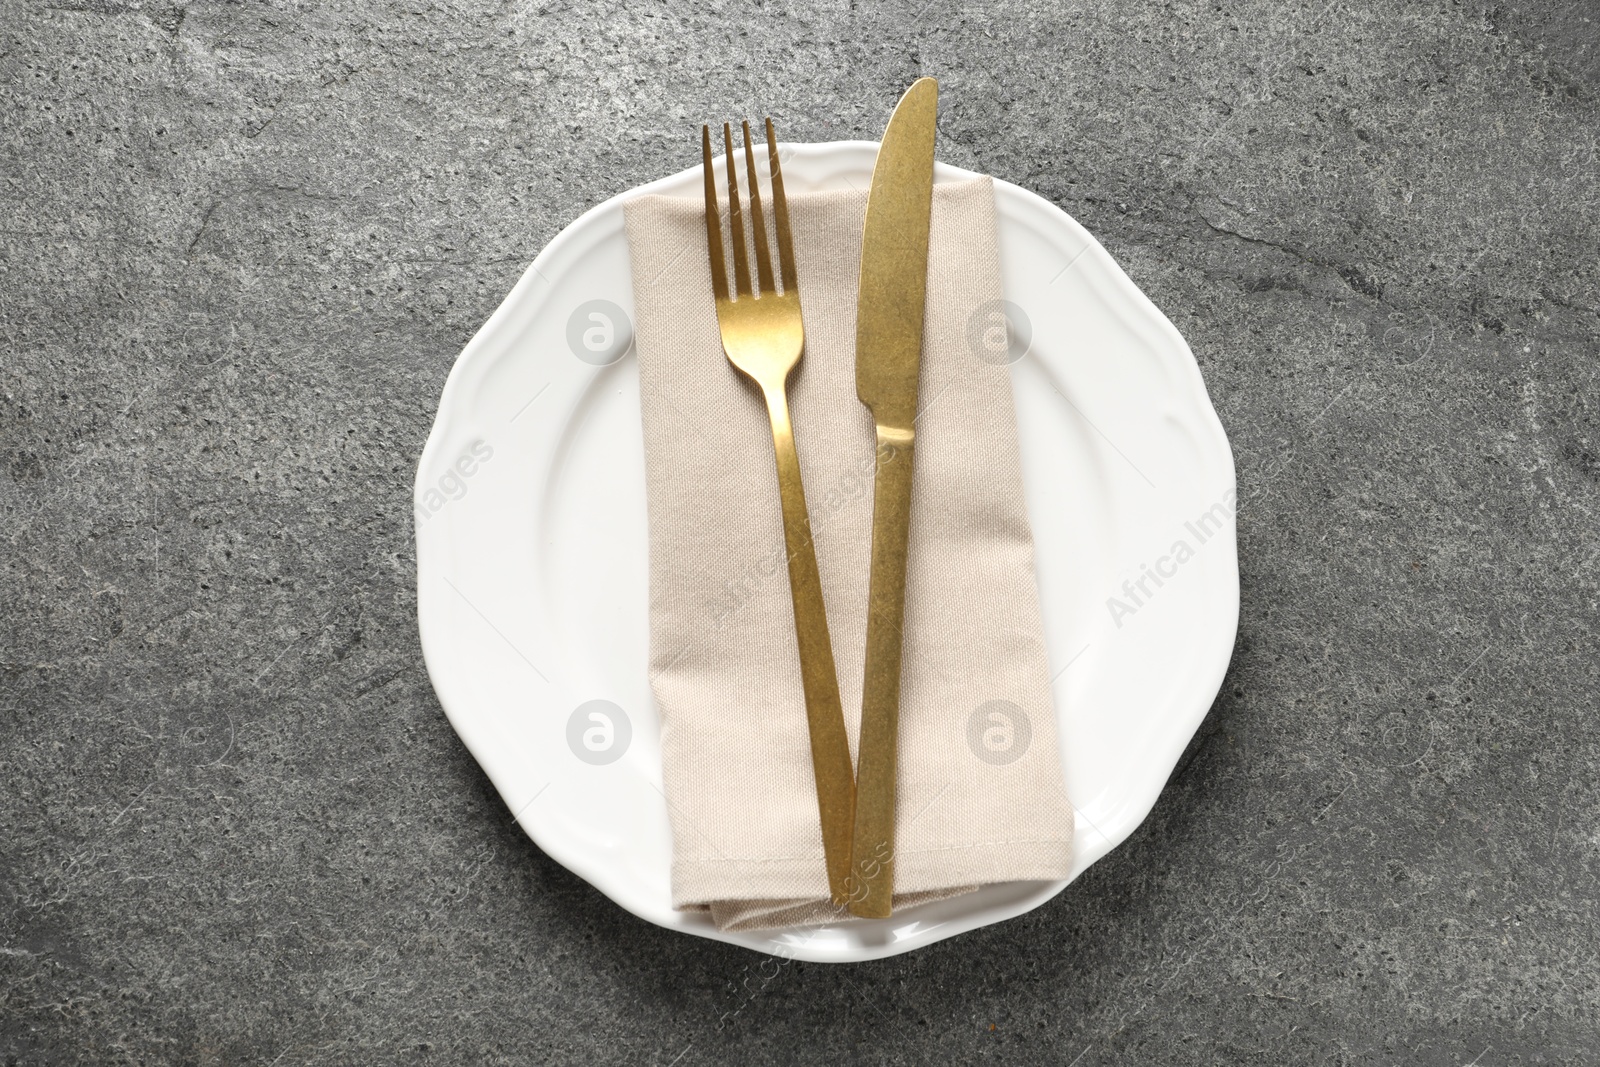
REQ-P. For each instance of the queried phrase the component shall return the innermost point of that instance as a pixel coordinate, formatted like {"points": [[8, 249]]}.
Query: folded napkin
{"points": [[980, 792]]}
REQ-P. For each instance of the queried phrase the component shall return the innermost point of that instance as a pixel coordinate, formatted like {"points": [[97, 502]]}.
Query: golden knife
{"points": [[894, 272]]}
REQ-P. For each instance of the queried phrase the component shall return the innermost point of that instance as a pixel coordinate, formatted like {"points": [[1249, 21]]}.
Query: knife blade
{"points": [[889, 311]]}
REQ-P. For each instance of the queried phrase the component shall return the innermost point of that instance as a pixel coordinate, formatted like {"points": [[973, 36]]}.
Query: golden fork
{"points": [[763, 338]]}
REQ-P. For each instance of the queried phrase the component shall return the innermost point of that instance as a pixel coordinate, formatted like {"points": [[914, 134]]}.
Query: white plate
{"points": [[531, 553]]}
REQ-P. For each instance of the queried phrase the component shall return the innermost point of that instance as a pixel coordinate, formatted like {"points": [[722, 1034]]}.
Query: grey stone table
{"points": [[241, 245]]}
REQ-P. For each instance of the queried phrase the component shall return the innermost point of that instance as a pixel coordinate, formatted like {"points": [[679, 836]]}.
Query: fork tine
{"points": [[719, 269], [780, 213], [741, 258], [758, 221]]}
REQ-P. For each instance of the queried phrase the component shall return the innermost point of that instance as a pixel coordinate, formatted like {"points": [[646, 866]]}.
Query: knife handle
{"points": [[830, 743], [873, 842]]}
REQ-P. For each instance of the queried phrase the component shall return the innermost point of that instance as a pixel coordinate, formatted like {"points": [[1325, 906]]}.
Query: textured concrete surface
{"points": [[240, 245]]}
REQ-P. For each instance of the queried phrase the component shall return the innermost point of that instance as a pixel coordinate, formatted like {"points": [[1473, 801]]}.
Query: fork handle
{"points": [[830, 744]]}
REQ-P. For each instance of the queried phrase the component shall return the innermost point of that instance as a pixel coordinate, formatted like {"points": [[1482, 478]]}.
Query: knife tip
{"points": [[924, 93]]}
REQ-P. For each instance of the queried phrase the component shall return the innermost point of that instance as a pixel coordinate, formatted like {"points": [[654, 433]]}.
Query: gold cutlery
{"points": [[763, 338], [894, 270]]}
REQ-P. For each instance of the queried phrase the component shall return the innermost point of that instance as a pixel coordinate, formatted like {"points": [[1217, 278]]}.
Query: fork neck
{"points": [[777, 398]]}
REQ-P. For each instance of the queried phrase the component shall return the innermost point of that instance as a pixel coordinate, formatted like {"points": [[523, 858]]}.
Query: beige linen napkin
{"points": [[980, 793]]}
